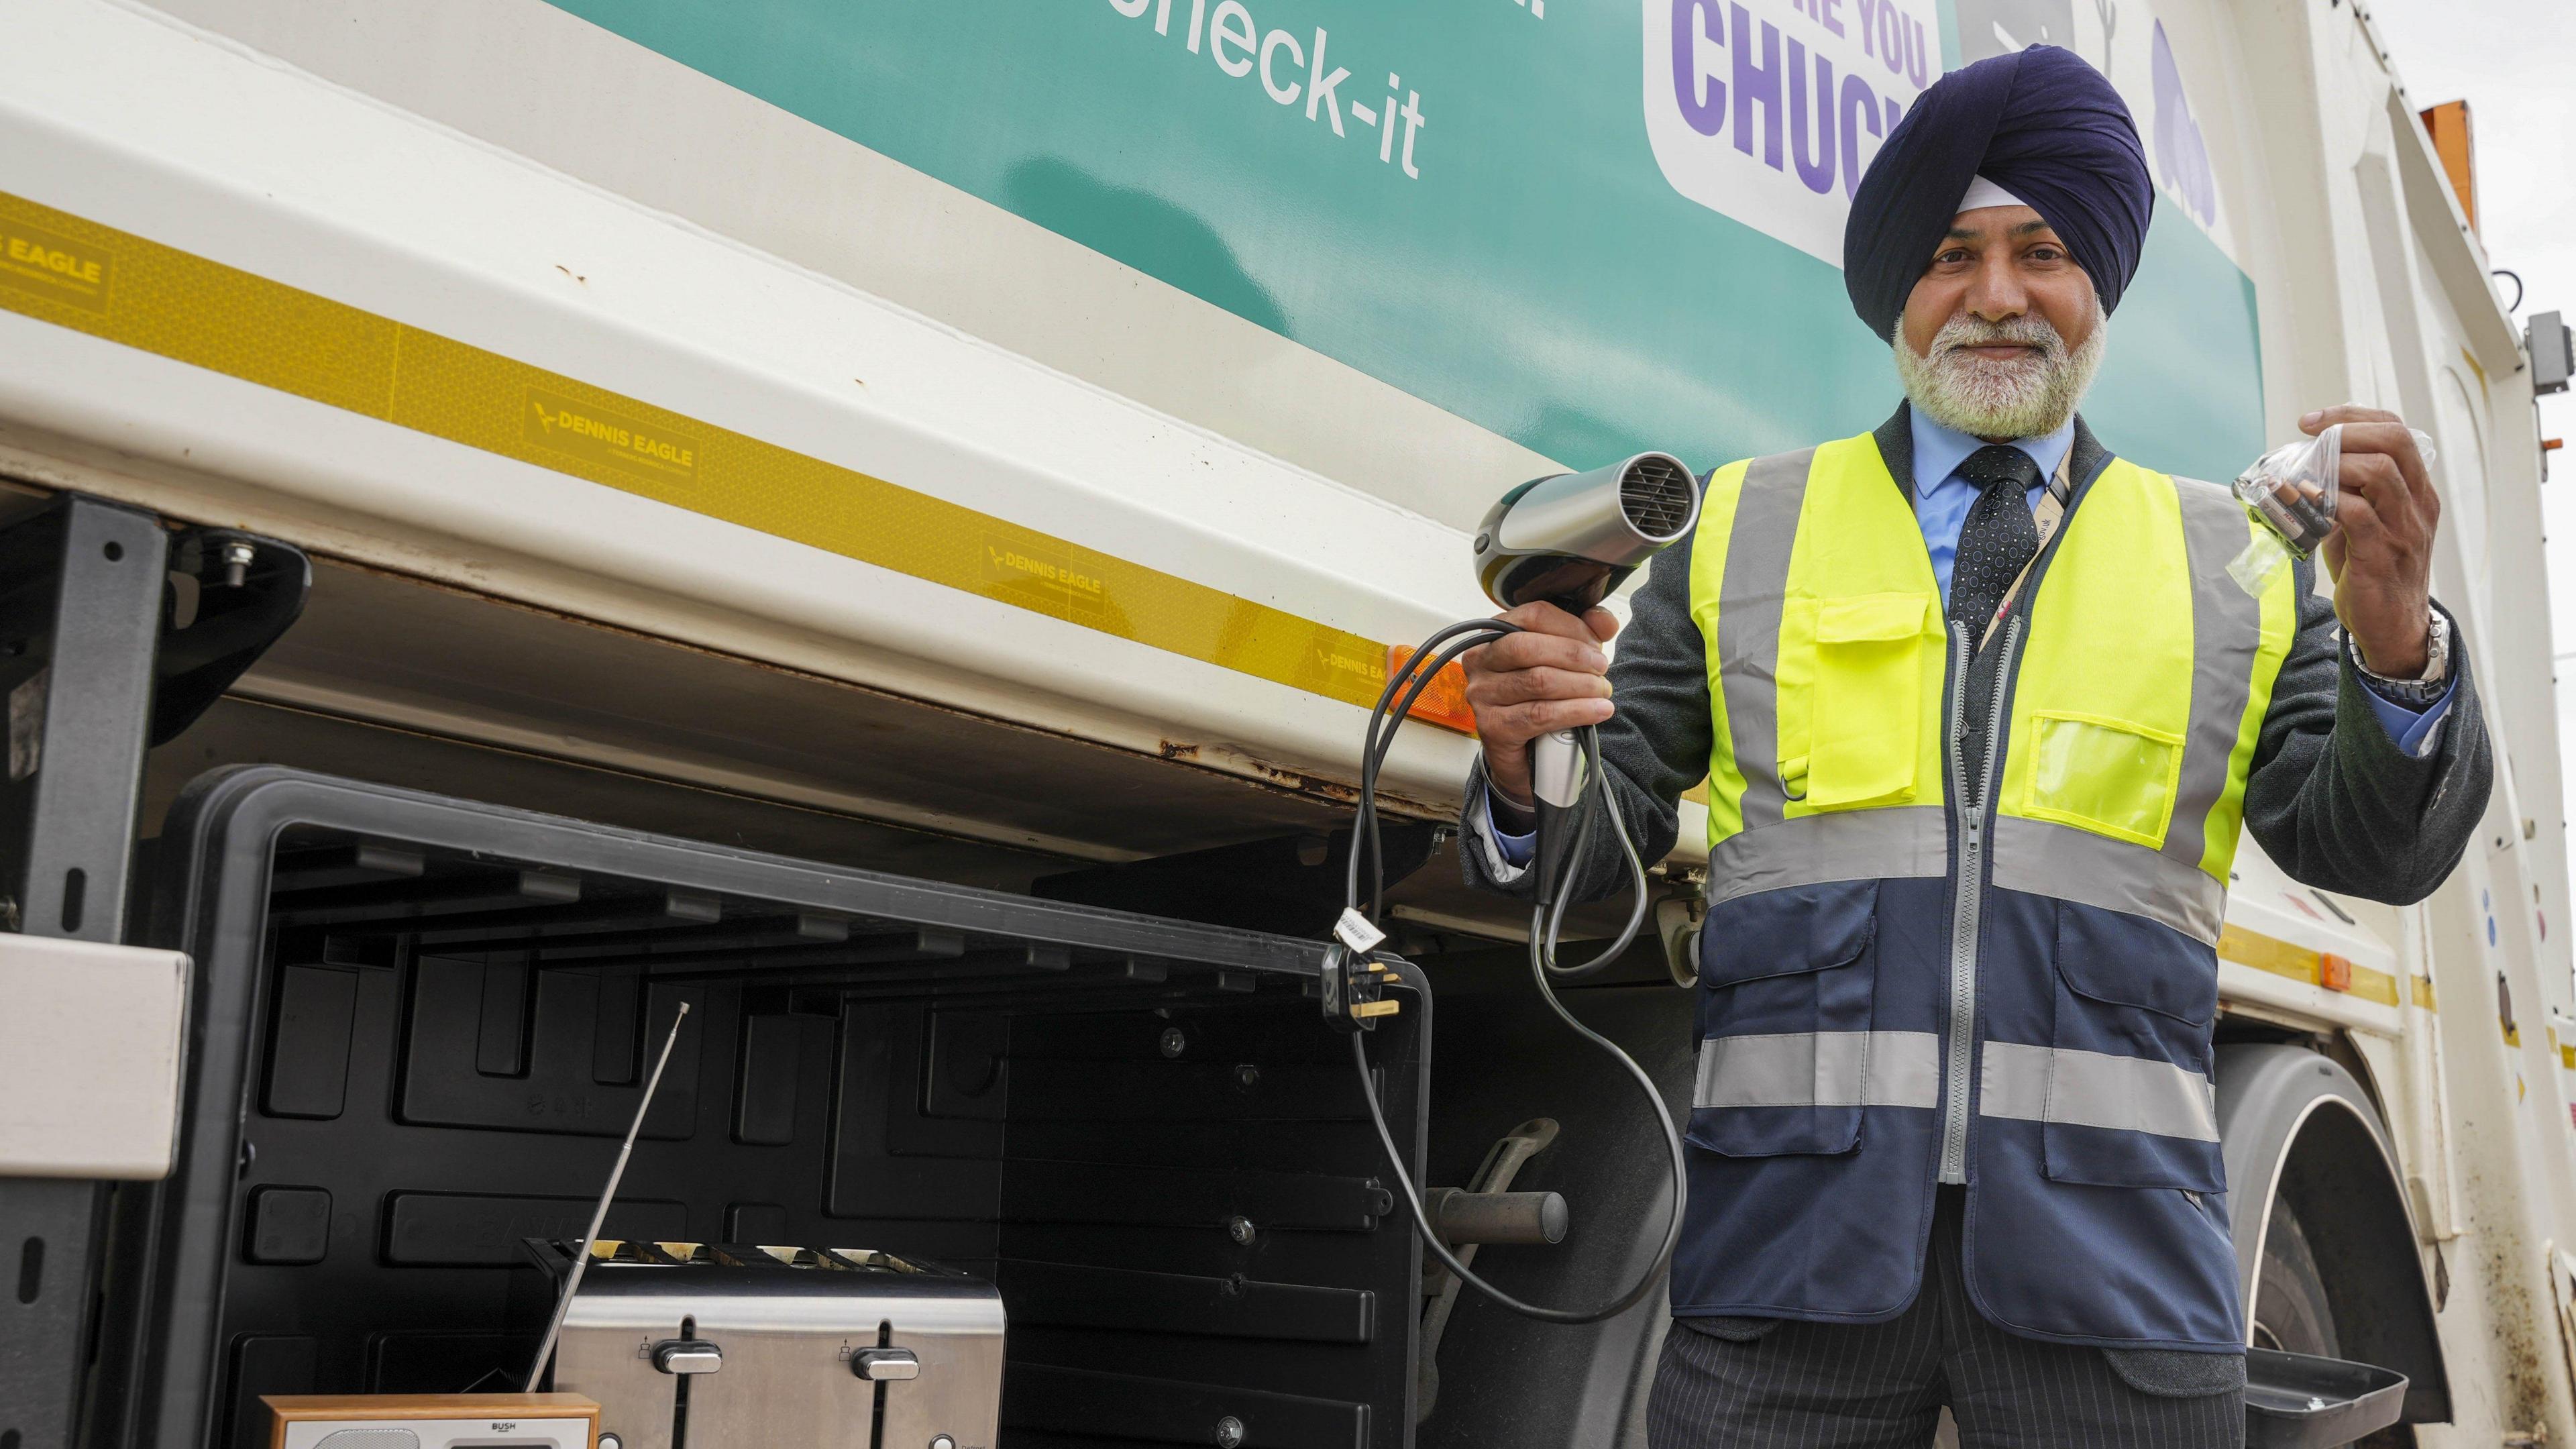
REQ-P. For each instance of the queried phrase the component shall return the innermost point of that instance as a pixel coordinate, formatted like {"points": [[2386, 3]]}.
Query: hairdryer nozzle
{"points": [[1658, 496], [1573, 538]]}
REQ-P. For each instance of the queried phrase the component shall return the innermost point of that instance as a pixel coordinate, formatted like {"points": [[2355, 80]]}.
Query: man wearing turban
{"points": [[1983, 712]]}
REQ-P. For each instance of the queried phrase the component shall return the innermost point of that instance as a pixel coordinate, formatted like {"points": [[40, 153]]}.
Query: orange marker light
{"points": [[1444, 701], [2334, 973]]}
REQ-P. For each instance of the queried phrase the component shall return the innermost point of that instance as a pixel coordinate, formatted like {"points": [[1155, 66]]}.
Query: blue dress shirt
{"points": [[1941, 502], [1942, 498]]}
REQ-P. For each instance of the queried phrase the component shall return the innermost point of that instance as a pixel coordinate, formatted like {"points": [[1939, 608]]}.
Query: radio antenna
{"points": [[599, 1214]]}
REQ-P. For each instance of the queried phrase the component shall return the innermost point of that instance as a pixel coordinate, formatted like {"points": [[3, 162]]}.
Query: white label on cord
{"points": [[1356, 932]]}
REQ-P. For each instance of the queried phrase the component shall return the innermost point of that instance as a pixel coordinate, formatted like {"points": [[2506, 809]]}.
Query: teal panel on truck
{"points": [[1590, 226]]}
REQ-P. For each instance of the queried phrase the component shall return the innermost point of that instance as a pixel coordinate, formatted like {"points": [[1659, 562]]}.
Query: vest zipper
{"points": [[1969, 895]]}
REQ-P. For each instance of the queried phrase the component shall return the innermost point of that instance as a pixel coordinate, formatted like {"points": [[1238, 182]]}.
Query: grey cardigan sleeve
{"points": [[2334, 802], [1655, 747]]}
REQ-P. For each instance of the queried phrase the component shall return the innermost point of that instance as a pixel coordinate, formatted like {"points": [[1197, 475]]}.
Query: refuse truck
{"points": [[882, 525]]}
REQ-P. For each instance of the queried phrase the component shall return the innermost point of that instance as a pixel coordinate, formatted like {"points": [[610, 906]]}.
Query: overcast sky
{"points": [[2514, 62]]}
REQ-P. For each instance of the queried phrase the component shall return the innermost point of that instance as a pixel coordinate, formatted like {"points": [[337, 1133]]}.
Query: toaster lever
{"points": [[687, 1356], [878, 1365]]}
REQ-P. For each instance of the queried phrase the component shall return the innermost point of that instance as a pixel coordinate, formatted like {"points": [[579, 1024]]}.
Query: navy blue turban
{"points": [[2040, 123]]}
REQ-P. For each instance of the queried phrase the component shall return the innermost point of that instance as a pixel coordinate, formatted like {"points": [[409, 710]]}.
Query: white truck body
{"points": [[1043, 671]]}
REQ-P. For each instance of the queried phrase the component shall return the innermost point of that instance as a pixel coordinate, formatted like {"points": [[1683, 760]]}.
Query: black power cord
{"points": [[1547, 920]]}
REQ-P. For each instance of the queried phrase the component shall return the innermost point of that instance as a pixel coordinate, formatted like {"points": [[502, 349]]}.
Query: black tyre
{"points": [[2290, 1311]]}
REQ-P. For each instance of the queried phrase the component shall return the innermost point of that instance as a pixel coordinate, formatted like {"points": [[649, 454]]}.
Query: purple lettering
{"points": [[1705, 116], [1891, 37], [1869, 26], [1816, 169], [1756, 83], [1859, 107], [1914, 59]]}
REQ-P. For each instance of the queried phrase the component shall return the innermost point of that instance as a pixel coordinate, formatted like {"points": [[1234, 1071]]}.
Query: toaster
{"points": [[716, 1346]]}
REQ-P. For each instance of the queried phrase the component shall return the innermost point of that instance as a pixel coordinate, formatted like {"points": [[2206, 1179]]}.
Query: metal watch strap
{"points": [[2424, 688]]}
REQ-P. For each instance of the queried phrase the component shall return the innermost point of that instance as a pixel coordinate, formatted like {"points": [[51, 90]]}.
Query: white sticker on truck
{"points": [[1768, 111]]}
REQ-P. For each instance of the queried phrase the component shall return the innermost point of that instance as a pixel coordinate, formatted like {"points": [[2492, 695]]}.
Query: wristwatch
{"points": [[2425, 688]]}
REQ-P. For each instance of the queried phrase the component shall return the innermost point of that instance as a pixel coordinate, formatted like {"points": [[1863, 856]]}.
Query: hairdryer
{"points": [[1569, 540], [1573, 538]]}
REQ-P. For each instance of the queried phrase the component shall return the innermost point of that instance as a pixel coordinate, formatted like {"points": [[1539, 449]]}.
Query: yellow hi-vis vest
{"points": [[2139, 674]]}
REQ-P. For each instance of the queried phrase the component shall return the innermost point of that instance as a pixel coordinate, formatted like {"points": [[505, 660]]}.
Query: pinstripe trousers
{"points": [[1745, 1384]]}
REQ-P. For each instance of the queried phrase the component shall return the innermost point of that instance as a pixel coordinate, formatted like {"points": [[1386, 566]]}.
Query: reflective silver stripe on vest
{"points": [[1885, 844], [2226, 633], [1748, 623], [2092, 1089], [1821, 1069], [2048, 859]]}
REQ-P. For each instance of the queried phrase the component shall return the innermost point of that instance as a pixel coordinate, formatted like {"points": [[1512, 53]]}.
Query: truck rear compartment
{"points": [[422, 1024]]}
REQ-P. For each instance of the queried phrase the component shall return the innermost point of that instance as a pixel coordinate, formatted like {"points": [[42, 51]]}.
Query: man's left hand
{"points": [[2381, 553]]}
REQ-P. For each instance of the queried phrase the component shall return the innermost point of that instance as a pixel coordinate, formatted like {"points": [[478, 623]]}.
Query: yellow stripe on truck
{"points": [[111, 284], [2298, 963]]}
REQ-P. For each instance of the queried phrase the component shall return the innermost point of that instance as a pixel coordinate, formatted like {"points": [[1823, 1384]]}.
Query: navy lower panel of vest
{"points": [[1815, 1212], [2097, 1233], [2094, 1025], [2119, 1265], [1818, 1236]]}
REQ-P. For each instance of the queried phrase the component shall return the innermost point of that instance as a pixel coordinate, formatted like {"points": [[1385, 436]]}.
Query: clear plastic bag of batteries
{"points": [[2292, 491]]}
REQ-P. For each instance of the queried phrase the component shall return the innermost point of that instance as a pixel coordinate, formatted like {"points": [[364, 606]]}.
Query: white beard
{"points": [[2026, 397]]}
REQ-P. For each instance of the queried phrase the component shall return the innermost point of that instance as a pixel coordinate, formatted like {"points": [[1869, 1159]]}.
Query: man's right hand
{"points": [[1551, 676]]}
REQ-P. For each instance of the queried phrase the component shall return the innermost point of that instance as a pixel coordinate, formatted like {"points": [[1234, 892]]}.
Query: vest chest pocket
{"points": [[2124, 1094], [2105, 775], [1868, 702], [1786, 1058]]}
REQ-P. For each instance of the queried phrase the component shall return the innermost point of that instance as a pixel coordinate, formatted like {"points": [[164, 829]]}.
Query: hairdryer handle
{"points": [[1559, 774]]}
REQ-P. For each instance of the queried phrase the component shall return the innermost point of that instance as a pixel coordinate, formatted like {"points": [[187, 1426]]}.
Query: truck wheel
{"points": [[2290, 1311], [2321, 1223]]}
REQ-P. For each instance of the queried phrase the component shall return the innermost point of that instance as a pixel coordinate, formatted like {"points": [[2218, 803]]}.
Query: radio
{"points": [[432, 1421]]}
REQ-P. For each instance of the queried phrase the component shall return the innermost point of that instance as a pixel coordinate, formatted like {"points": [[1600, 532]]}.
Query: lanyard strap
{"points": [[2050, 512]]}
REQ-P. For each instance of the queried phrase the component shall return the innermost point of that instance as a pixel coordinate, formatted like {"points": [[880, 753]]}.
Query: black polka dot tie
{"points": [[1998, 538]]}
